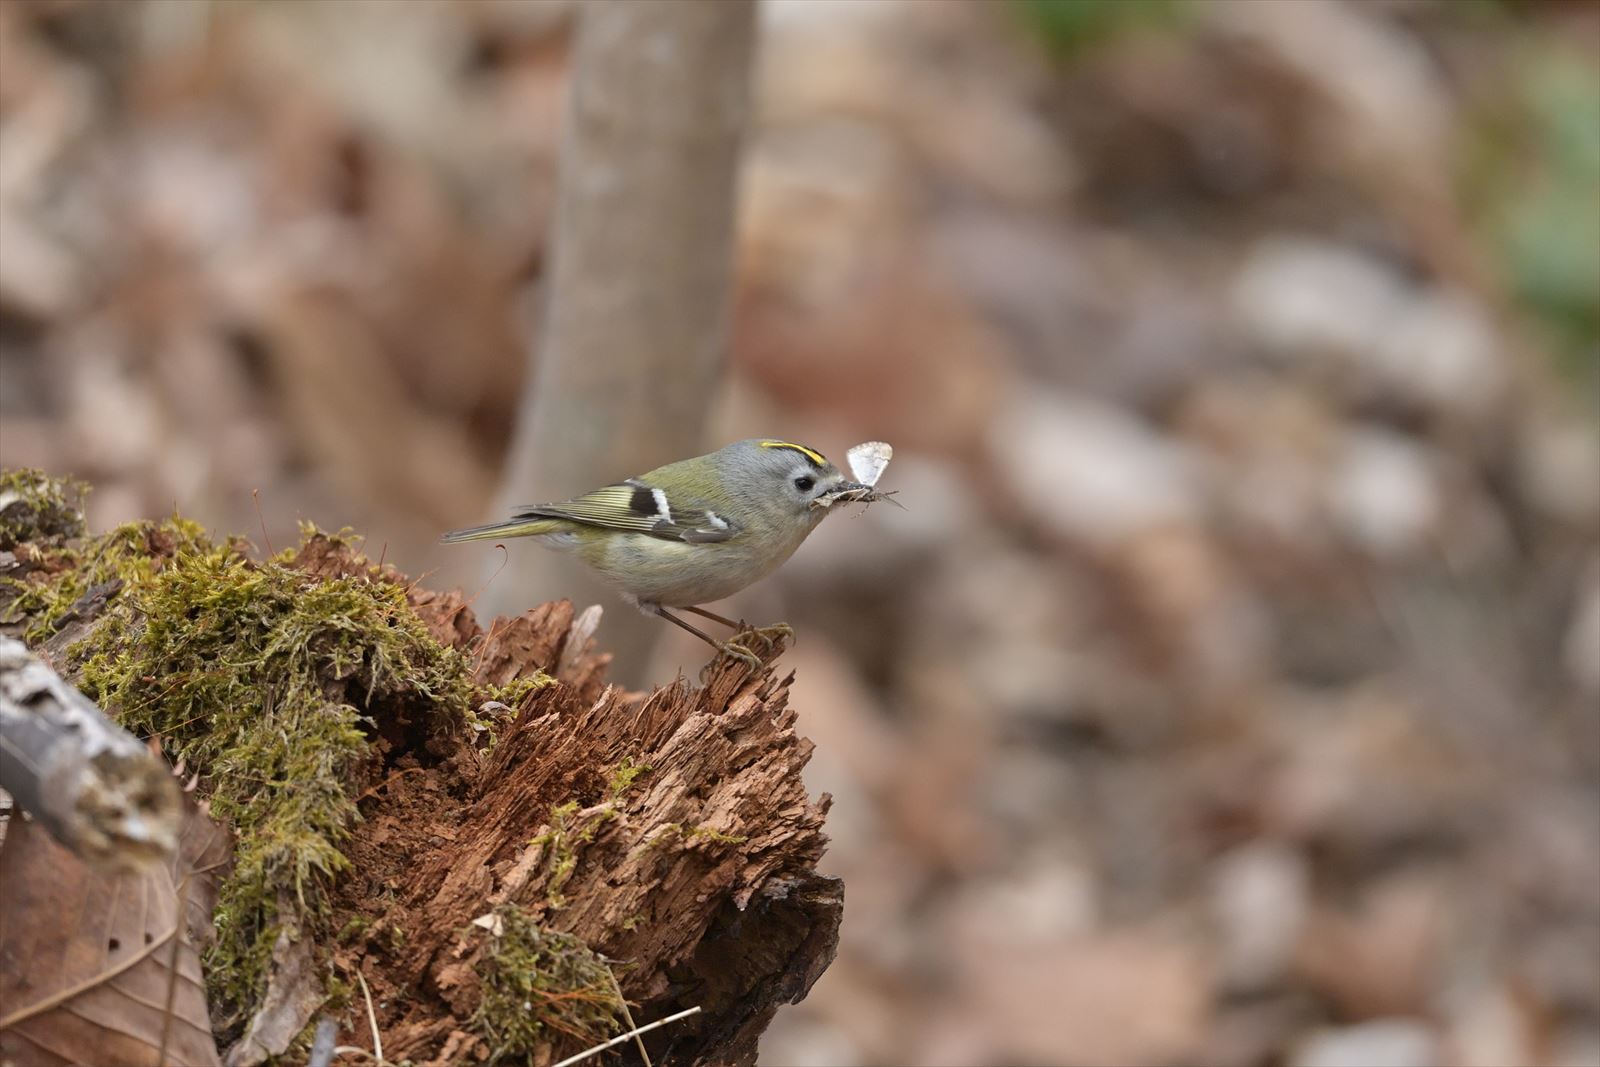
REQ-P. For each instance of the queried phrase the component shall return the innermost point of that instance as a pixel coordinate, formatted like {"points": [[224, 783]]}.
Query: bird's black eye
{"points": [[804, 483]]}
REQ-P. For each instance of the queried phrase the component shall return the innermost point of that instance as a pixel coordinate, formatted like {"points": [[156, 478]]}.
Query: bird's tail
{"points": [[509, 528]]}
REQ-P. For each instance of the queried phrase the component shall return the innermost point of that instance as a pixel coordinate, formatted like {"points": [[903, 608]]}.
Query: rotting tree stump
{"points": [[669, 832]]}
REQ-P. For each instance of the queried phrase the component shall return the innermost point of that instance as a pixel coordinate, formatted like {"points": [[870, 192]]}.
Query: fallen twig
{"points": [[372, 1019], [620, 1038]]}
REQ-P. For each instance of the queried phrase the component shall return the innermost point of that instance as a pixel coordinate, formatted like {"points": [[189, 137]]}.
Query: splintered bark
{"points": [[671, 834], [634, 329], [90, 783]]}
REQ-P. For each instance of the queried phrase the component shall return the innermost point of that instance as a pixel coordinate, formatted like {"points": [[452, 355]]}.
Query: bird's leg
{"points": [[772, 635], [714, 617], [729, 648]]}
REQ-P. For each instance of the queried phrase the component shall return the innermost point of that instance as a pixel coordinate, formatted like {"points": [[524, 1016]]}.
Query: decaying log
{"points": [[671, 832], [95, 787], [668, 835]]}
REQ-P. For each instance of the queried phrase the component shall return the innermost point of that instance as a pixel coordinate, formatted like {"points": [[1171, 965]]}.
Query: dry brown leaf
{"points": [[101, 970]]}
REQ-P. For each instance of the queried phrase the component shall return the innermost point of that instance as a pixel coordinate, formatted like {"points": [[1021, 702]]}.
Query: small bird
{"points": [[700, 529]]}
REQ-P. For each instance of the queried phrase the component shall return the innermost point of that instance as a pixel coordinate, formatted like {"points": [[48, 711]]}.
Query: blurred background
{"points": [[1228, 691]]}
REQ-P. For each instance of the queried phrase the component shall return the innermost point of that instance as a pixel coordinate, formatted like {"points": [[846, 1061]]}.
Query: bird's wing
{"points": [[639, 508]]}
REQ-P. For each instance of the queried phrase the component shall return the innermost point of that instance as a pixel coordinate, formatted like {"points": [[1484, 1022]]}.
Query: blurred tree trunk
{"points": [[634, 328]]}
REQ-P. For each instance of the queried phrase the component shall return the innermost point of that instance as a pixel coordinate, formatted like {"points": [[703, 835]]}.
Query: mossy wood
{"points": [[419, 804]]}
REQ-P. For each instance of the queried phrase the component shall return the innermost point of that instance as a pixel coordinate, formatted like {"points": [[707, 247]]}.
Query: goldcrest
{"points": [[700, 529]]}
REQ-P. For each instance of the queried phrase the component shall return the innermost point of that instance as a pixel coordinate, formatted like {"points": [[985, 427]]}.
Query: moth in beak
{"points": [[867, 463]]}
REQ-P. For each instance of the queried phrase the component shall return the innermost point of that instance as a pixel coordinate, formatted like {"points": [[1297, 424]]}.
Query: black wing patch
{"points": [[634, 507]]}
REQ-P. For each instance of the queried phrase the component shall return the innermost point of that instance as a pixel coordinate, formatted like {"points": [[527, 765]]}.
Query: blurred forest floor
{"points": [[1230, 691]]}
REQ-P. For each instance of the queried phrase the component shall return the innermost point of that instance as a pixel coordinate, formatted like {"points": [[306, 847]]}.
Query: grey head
{"points": [[796, 477]]}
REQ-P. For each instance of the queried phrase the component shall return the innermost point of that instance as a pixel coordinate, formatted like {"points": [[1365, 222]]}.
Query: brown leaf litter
{"points": [[100, 968]]}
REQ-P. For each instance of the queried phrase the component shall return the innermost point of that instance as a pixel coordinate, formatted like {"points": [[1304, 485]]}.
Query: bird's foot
{"points": [[772, 637], [743, 645], [740, 652]]}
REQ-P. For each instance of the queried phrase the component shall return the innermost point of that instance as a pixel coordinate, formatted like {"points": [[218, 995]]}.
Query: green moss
{"points": [[499, 705], [35, 507], [706, 833], [625, 774], [262, 676], [62, 574], [338, 995], [568, 827], [686, 832], [539, 986], [685, 835], [514, 692], [355, 928]]}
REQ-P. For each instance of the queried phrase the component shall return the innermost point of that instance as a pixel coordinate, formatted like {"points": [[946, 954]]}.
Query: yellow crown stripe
{"points": [[811, 454]]}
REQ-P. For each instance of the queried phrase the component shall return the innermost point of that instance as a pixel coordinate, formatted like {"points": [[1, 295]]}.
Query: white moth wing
{"points": [[868, 459]]}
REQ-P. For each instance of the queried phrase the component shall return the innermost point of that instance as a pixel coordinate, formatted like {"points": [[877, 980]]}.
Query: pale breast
{"points": [[674, 574]]}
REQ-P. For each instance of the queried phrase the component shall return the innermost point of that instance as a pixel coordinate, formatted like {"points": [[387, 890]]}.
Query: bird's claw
{"points": [[735, 650], [741, 647], [774, 636]]}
